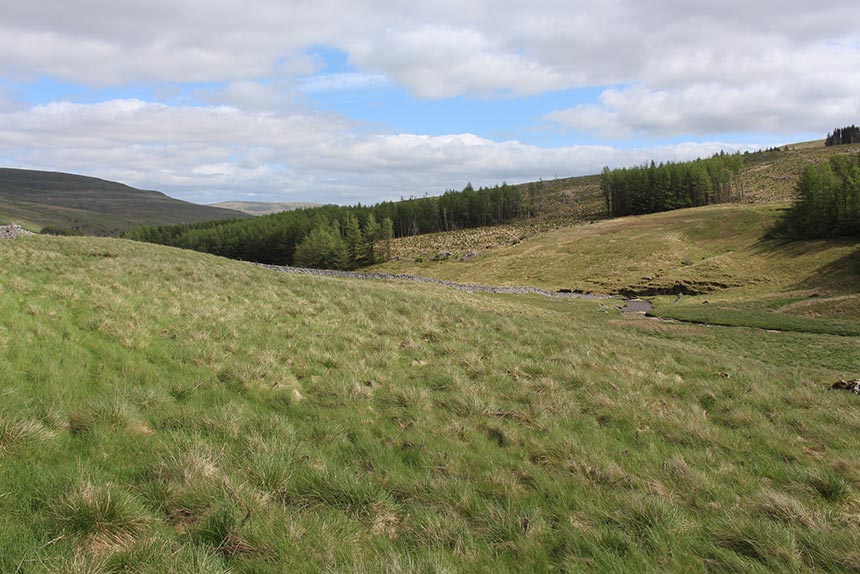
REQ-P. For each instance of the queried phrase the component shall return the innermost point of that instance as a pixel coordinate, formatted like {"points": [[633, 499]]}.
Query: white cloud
{"points": [[437, 49], [591, 118], [212, 153], [341, 82], [709, 108], [444, 61], [665, 68], [252, 96]]}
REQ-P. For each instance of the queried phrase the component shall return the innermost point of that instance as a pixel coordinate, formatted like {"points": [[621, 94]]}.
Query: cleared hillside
{"points": [[90, 205], [772, 175], [169, 411]]}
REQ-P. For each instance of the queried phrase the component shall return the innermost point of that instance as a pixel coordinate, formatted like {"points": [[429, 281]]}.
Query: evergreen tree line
{"points": [[842, 136], [341, 237], [667, 186], [828, 201]]}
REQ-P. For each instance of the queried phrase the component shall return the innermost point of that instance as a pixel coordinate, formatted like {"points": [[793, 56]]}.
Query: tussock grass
{"points": [[14, 432], [106, 516], [167, 411]]}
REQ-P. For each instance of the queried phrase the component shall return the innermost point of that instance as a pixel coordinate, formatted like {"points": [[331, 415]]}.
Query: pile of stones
{"points": [[13, 231]]}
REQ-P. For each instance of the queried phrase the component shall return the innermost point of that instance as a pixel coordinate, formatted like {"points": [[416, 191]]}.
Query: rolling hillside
{"points": [[766, 176], [263, 207], [486, 218], [247, 421], [721, 248], [684, 251], [711, 264], [91, 206]]}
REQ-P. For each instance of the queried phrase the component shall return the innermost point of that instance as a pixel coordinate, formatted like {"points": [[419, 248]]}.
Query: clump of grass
{"points": [[219, 529], [80, 423], [829, 485], [190, 484], [13, 432], [780, 506], [651, 522], [104, 513], [152, 555]]}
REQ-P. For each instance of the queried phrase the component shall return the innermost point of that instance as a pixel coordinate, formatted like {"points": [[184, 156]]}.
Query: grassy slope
{"points": [[572, 197], [719, 246], [93, 206], [171, 411], [719, 252]]}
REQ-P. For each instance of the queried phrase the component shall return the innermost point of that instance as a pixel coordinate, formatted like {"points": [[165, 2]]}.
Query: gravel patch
{"points": [[636, 306]]}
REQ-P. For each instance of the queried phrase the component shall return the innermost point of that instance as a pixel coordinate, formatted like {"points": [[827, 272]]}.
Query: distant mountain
{"points": [[92, 206], [264, 207]]}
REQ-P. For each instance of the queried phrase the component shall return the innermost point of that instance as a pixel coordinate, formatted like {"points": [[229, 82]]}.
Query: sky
{"points": [[345, 102]]}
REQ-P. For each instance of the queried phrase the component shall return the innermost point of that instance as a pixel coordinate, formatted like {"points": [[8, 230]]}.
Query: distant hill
{"points": [[91, 206], [264, 207]]}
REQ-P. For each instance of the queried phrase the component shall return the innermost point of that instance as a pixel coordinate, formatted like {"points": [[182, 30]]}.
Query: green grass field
{"points": [[168, 411]]}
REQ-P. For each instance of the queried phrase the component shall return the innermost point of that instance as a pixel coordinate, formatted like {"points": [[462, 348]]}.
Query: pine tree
{"points": [[354, 244], [653, 187], [370, 235], [828, 201], [387, 234], [323, 248], [843, 136]]}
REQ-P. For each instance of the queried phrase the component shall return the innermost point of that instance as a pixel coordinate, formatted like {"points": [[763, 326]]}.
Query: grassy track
{"points": [[167, 411]]}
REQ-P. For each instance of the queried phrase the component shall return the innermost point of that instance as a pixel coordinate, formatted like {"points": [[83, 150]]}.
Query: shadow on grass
{"points": [[843, 273], [834, 273]]}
